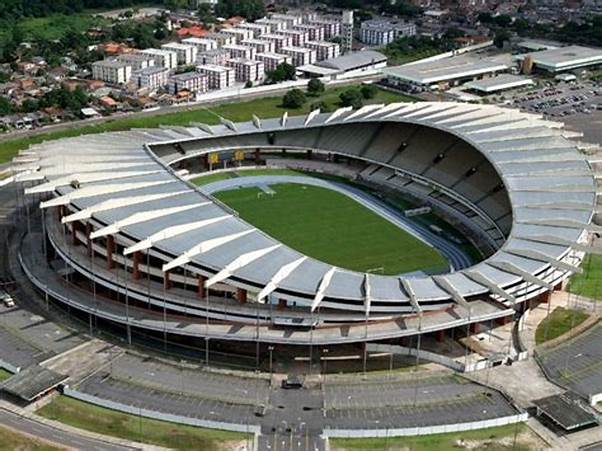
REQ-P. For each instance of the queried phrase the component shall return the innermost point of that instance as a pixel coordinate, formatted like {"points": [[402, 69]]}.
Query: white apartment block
{"points": [[112, 71], [314, 32], [272, 60], [215, 56], [279, 40], [300, 55], [151, 77], [136, 60], [273, 24], [201, 44], [222, 39], [324, 50], [239, 34], [260, 46], [298, 37], [164, 58], [291, 20], [246, 70], [383, 31], [331, 28], [257, 29], [186, 53], [193, 82], [240, 51], [218, 77]]}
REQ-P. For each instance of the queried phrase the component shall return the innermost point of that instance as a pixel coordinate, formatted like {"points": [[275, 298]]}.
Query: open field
{"points": [[11, 440], [333, 228], [135, 428], [559, 321], [265, 107], [588, 284], [214, 177], [495, 438]]}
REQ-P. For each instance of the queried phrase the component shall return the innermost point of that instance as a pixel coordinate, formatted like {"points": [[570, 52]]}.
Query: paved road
{"points": [[457, 258], [49, 433]]}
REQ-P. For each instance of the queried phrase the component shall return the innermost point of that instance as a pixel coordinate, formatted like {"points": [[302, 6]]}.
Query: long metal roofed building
{"points": [[117, 198]]}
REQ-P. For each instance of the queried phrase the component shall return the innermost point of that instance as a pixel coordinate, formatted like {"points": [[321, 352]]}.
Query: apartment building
{"points": [[298, 37], [332, 28], [246, 70], [163, 58], [193, 82], [215, 56], [257, 29], [239, 34], [279, 40], [271, 60], [273, 24], [186, 53], [260, 46], [240, 51], [202, 44], [314, 32], [379, 32], [300, 56], [112, 71], [218, 77], [221, 38], [324, 50], [152, 78], [290, 19]]}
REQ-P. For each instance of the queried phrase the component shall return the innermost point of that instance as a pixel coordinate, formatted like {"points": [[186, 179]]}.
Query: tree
{"points": [[283, 72], [6, 107], [321, 105], [501, 37], [205, 13], [294, 98], [315, 87], [249, 9], [369, 91], [351, 97]]}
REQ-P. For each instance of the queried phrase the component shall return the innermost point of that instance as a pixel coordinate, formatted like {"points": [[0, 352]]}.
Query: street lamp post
{"points": [[271, 349]]}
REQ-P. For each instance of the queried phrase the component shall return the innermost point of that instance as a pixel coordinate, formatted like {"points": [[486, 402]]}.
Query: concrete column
{"points": [[257, 155], [309, 154], [281, 303], [241, 295], [110, 250], [74, 233], [201, 286], [167, 284], [474, 328], [136, 266], [88, 240], [440, 335], [545, 297]]}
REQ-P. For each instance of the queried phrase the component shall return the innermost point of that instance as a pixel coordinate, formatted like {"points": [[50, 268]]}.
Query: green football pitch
{"points": [[333, 228]]}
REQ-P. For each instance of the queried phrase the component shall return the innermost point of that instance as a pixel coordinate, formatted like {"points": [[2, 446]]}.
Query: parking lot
{"points": [[559, 100]]}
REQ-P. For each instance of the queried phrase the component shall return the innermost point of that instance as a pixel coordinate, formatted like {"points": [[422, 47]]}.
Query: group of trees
{"points": [[351, 97], [406, 49], [72, 101], [282, 73], [249, 9], [15, 9]]}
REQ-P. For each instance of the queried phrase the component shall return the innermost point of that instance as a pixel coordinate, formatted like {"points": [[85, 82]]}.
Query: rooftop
{"points": [[353, 60], [566, 57], [499, 82]]}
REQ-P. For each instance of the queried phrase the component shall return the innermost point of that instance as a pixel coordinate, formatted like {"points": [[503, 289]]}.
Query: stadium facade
{"points": [[125, 238]]}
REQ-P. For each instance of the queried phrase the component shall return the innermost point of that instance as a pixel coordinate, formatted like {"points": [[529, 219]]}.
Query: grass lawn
{"points": [[5, 375], [11, 440], [265, 107], [332, 227], [108, 422], [559, 321], [588, 284], [495, 438], [211, 177]]}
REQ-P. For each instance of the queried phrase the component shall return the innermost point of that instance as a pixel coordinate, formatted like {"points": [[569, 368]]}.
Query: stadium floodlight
{"points": [[311, 116], [256, 121], [284, 119], [367, 294]]}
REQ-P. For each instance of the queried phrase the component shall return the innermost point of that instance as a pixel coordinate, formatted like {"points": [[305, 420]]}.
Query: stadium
{"points": [[336, 229]]}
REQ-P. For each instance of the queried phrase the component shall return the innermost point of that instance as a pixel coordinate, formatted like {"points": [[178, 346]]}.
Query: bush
{"points": [[351, 98], [315, 87], [295, 98], [369, 91], [321, 105], [249, 84]]}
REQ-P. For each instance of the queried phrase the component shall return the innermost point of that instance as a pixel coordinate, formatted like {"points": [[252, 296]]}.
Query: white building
{"points": [[272, 60], [260, 45], [279, 40], [186, 53], [381, 32], [324, 50], [298, 37], [290, 19], [246, 70], [137, 60], [112, 71], [300, 55], [215, 56], [222, 39], [193, 82], [273, 24], [218, 77], [164, 58], [151, 77], [332, 28], [257, 29], [201, 44], [240, 51], [239, 34], [314, 32]]}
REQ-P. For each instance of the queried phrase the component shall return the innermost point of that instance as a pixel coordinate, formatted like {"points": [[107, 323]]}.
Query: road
{"points": [[53, 434]]}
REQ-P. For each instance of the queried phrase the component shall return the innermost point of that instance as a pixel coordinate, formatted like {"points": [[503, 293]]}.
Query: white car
{"points": [[8, 301]]}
